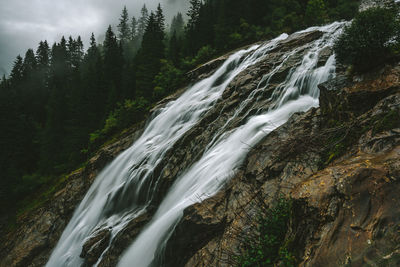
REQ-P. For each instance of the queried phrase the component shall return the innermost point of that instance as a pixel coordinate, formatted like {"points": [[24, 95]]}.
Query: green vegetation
{"points": [[168, 79], [316, 12], [370, 40], [125, 115], [269, 247], [43, 193], [386, 121]]}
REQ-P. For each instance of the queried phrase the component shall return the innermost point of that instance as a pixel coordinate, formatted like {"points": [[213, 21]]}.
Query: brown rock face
{"points": [[343, 98], [94, 247], [123, 240], [365, 214], [200, 226], [344, 213]]}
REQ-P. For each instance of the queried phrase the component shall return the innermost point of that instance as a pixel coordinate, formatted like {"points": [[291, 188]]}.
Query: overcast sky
{"points": [[23, 23]]}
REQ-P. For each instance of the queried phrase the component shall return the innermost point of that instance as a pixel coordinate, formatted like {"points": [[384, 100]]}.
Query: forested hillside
{"points": [[61, 102]]}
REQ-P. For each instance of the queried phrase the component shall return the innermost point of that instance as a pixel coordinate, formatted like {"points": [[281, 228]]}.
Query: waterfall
{"points": [[124, 189], [206, 177]]}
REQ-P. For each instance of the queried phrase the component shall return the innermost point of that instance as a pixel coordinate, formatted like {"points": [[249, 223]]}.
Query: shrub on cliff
{"points": [[267, 245], [370, 39], [125, 115]]}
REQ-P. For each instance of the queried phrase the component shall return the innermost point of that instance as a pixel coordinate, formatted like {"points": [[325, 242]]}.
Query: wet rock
{"points": [[206, 69], [122, 241], [345, 213], [367, 197], [343, 98], [324, 55], [298, 39], [94, 246], [200, 223]]}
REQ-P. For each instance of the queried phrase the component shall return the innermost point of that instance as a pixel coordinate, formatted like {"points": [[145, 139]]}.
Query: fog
{"points": [[23, 23]]}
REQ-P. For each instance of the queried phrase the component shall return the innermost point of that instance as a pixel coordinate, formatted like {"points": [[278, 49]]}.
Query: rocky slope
{"points": [[339, 165], [345, 211]]}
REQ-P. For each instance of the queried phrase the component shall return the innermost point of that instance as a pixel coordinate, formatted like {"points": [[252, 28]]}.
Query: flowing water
{"points": [[125, 188]]}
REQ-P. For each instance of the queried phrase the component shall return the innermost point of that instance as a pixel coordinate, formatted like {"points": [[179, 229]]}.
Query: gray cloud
{"points": [[24, 23]]}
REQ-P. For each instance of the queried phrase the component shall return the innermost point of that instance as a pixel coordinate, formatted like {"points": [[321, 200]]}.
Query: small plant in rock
{"points": [[370, 40], [268, 245]]}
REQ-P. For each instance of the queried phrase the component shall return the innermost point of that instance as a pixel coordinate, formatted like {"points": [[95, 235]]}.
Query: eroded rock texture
{"points": [[345, 211]]}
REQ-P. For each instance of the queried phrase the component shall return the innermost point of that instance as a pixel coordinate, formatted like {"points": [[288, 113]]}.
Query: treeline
{"points": [[61, 102], [220, 25]]}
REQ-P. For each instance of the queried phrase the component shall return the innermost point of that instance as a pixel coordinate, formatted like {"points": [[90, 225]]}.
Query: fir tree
{"points": [[43, 67], [43, 55], [29, 65], [124, 33], [193, 13], [142, 23], [160, 18], [17, 70], [150, 54], [174, 49], [192, 43], [75, 51], [133, 29], [113, 65], [177, 25], [93, 84]]}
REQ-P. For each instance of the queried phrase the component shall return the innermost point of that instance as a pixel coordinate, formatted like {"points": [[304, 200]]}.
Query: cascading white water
{"points": [[221, 159], [124, 189]]}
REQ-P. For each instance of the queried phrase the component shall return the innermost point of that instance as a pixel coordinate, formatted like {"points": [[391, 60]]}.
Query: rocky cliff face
{"points": [[339, 165]]}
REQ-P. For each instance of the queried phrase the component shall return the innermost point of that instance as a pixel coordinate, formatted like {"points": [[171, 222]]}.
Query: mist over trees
{"points": [[60, 102]]}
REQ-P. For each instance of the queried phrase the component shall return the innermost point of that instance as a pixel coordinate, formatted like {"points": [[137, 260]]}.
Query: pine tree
{"points": [[123, 26], [113, 66], [79, 52], [149, 56], [142, 23], [53, 144], [75, 52], [43, 54], [43, 67], [193, 13], [93, 84], [29, 65], [133, 29], [192, 39], [160, 19], [174, 49], [177, 25], [30, 88], [17, 70]]}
